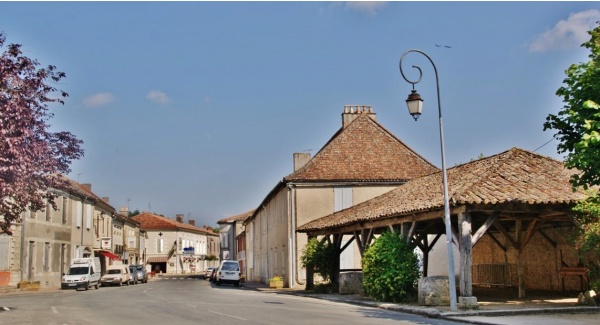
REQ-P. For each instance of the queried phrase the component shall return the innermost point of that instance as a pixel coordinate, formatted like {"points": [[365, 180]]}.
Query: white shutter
{"points": [[342, 197], [88, 216], [78, 214]]}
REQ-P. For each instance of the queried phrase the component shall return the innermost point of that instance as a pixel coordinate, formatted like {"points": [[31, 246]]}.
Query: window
{"points": [[342, 198], [159, 245], [78, 214], [4, 252], [48, 211], [64, 211], [46, 257], [88, 216], [283, 261]]}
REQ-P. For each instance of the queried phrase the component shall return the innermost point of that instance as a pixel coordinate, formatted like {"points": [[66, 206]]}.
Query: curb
{"points": [[435, 313]]}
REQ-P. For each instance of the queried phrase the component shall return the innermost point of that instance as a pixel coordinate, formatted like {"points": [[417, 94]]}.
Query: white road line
{"points": [[214, 312], [191, 306], [54, 310]]}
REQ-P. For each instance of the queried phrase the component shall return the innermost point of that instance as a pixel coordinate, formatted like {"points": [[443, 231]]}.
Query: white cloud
{"points": [[570, 33], [158, 97], [368, 7], [99, 99]]}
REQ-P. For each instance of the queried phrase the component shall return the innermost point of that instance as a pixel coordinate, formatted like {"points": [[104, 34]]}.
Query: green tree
{"points": [[578, 130], [390, 269], [318, 256], [578, 123]]}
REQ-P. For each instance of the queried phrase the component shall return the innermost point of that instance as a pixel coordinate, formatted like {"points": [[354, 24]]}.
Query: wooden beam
{"points": [[347, 244], [482, 230], [466, 254], [552, 242], [496, 241], [531, 230], [501, 228]]}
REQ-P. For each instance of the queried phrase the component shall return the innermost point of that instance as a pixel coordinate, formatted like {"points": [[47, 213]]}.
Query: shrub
{"points": [[390, 269], [318, 256]]}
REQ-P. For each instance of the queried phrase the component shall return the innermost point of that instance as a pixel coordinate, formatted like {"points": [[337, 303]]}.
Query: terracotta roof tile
{"points": [[239, 217], [514, 176], [149, 221], [363, 151]]}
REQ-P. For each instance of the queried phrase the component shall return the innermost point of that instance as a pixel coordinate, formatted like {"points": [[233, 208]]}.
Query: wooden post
{"points": [[310, 273], [466, 256]]}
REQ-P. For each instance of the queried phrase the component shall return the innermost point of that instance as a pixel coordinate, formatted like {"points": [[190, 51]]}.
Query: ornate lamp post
{"points": [[415, 107]]}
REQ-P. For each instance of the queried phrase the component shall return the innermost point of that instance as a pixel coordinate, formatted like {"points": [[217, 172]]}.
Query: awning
{"points": [[110, 255], [157, 259]]}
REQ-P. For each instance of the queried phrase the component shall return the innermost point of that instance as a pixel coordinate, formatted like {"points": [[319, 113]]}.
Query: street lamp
{"points": [[415, 107]]}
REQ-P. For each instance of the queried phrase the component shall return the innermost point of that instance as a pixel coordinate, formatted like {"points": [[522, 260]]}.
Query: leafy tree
{"points": [[390, 269], [31, 157], [318, 256], [134, 213], [578, 123], [588, 219]]}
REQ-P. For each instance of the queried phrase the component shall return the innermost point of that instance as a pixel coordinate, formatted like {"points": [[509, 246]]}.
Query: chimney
{"points": [[192, 222], [179, 218], [105, 199], [351, 112], [124, 211], [300, 159], [87, 186]]}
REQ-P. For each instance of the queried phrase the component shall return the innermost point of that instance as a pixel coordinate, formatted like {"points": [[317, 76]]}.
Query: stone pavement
{"points": [[533, 311]]}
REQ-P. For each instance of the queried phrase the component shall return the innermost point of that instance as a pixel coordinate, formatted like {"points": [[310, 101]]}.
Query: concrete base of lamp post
{"points": [[468, 303]]}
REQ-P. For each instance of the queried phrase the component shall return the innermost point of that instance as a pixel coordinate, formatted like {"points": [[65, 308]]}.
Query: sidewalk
{"points": [[531, 311]]}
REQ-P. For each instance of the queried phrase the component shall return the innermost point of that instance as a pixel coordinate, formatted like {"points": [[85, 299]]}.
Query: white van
{"points": [[228, 272], [82, 274], [116, 275]]}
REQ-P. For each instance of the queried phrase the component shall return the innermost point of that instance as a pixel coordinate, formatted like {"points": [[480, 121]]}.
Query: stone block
{"points": [[434, 291], [587, 298], [350, 282], [467, 303]]}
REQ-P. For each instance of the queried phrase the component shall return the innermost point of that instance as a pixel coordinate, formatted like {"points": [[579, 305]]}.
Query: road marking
{"points": [[54, 310], [214, 312]]}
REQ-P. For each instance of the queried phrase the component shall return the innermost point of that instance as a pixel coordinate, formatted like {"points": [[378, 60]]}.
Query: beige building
{"points": [[175, 247], [45, 242], [361, 161]]}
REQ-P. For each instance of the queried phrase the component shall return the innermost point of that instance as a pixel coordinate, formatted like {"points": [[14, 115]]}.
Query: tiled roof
{"points": [[363, 151], [75, 188], [149, 221], [240, 217], [514, 176]]}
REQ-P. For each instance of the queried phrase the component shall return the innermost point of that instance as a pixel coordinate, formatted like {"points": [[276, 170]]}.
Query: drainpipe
{"points": [[22, 257], [294, 237]]}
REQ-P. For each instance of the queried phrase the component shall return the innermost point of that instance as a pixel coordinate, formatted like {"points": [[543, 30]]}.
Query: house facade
{"points": [[173, 246], [229, 230], [45, 242], [361, 161]]}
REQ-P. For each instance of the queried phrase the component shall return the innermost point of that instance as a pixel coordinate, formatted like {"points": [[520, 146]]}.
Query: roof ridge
{"points": [[336, 142]]}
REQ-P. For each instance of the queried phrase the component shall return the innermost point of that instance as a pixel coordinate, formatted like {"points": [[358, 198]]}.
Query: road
{"points": [[188, 301]]}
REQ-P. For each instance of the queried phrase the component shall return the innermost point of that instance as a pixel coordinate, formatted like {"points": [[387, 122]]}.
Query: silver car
{"points": [[142, 274]]}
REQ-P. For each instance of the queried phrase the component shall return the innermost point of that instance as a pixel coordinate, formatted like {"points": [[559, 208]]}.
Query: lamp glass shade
{"points": [[415, 104]]}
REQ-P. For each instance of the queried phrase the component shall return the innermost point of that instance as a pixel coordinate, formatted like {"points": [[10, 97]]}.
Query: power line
{"points": [[538, 148]]}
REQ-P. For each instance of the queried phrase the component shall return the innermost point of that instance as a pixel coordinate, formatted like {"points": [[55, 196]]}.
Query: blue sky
{"points": [[196, 108]]}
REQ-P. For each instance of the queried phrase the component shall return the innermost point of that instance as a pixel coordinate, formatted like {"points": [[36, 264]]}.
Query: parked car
{"points": [[208, 272], [228, 272], [116, 275], [142, 273], [213, 275], [133, 275]]}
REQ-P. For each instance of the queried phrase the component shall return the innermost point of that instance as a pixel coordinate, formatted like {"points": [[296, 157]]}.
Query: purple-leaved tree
{"points": [[32, 159]]}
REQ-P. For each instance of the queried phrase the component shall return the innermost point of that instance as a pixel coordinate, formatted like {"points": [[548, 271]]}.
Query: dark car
{"points": [[208, 273], [142, 273], [134, 275], [213, 275]]}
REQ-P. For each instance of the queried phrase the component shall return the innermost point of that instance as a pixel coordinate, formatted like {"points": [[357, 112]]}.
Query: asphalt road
{"points": [[188, 301]]}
